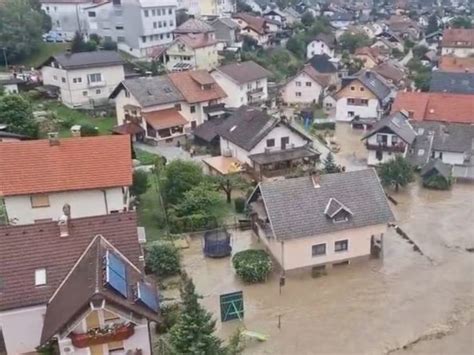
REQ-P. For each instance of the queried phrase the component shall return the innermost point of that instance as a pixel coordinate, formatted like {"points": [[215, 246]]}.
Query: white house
{"points": [[84, 79], [10, 85], [244, 83], [254, 26], [66, 16], [192, 51], [322, 44], [306, 87], [365, 96], [80, 284], [88, 176], [316, 222]]}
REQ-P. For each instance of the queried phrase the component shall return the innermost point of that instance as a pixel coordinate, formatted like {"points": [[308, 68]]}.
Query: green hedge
{"points": [[163, 259], [252, 265], [438, 182], [325, 125]]}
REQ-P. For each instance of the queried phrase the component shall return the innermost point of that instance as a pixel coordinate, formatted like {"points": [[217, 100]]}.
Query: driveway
{"points": [[170, 153]]}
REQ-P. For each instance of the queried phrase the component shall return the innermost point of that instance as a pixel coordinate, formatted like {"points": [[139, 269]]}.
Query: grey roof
{"points": [[5, 134], [151, 91], [11, 81], [227, 22], [437, 165], [398, 124], [283, 155], [334, 207], [454, 137], [327, 38], [86, 59], [296, 207], [341, 16], [375, 83], [420, 150], [322, 64], [194, 26], [244, 72], [207, 131], [456, 83]]}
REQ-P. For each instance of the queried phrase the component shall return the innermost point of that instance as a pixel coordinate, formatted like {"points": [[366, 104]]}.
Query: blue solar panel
{"points": [[115, 274], [147, 296]]}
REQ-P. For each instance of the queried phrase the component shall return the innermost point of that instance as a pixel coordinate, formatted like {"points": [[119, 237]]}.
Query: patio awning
{"points": [[164, 118], [224, 165], [128, 128], [283, 155]]}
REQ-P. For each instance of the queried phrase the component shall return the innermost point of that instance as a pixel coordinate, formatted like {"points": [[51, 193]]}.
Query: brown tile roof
{"points": [[29, 167], [128, 128], [189, 84], [455, 64], [26, 248], [86, 282], [196, 40], [254, 22], [458, 37], [315, 75], [444, 107], [390, 72], [244, 72], [372, 52], [164, 118]]}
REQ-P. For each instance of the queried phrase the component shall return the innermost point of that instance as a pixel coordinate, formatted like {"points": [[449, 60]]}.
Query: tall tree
{"points": [[330, 166], [432, 24], [307, 19], [461, 22], [230, 183], [16, 113], [46, 23], [21, 27], [179, 177], [396, 173], [193, 332], [351, 41]]}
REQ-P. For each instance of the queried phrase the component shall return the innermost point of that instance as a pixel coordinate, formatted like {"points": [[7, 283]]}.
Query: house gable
{"points": [[355, 89]]}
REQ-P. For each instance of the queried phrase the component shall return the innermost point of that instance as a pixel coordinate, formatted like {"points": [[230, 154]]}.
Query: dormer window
{"points": [[337, 212], [40, 277]]}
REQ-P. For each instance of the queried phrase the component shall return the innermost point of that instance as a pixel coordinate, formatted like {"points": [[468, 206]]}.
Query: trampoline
{"points": [[217, 243]]}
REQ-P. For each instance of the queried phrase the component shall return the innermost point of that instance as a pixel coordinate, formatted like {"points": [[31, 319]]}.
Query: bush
{"points": [[438, 182], [239, 204], [88, 130], [140, 183], [163, 259], [325, 125], [252, 265]]}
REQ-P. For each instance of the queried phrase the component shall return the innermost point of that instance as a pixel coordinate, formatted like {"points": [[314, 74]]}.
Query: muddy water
{"points": [[353, 154]]}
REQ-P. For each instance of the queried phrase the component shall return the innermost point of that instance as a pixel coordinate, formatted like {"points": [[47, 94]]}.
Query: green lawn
{"points": [[146, 158], [150, 213], [45, 51]]}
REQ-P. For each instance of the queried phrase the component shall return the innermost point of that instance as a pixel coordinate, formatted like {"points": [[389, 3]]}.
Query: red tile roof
{"points": [[431, 106], [26, 248], [458, 37], [456, 65], [255, 23], [196, 40], [30, 167], [164, 118], [189, 83]]}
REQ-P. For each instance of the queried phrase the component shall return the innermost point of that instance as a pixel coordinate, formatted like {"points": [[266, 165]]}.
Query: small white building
{"points": [[84, 79], [91, 175], [244, 83], [306, 87], [322, 44], [10, 86], [192, 51]]}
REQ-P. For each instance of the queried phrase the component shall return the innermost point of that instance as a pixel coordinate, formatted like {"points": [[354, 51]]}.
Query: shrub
{"points": [[252, 265], [325, 125], [88, 130], [140, 183], [239, 204], [438, 182], [169, 317], [163, 259]]}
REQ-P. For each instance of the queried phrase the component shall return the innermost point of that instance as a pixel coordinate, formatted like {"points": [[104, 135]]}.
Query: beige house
{"points": [[90, 175], [84, 79], [320, 221], [306, 87], [192, 51]]}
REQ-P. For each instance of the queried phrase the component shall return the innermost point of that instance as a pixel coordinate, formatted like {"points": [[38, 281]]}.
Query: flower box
{"points": [[84, 340]]}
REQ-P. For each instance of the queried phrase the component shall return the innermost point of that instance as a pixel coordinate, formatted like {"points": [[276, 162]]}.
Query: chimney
{"points": [[316, 179], [53, 138], [64, 221]]}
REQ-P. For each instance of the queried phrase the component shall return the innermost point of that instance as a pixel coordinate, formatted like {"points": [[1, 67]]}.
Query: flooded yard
{"points": [[423, 303]]}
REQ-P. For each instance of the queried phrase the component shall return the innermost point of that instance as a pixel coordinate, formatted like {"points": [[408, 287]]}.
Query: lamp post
{"points": [[5, 57]]}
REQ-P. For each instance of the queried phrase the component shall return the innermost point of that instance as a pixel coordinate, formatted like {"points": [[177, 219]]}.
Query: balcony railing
{"points": [[96, 84], [98, 336], [214, 108], [255, 91], [397, 148]]}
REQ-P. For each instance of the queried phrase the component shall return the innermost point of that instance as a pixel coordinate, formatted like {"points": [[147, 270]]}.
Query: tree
{"points": [[16, 113], [461, 22], [432, 24], [242, 6], [46, 23], [396, 173], [419, 51], [307, 19], [179, 177], [202, 199], [140, 183], [79, 45], [109, 45], [229, 183], [89, 130], [422, 80], [21, 27], [330, 166], [193, 332], [351, 41], [163, 259], [296, 46]]}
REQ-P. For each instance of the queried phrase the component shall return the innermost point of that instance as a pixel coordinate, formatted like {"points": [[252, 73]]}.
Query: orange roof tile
{"points": [[189, 84], [196, 40], [456, 64], [432, 106], [458, 37], [163, 119], [29, 167], [254, 22]]}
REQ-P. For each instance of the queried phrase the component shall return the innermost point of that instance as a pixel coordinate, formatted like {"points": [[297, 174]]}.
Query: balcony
{"points": [[255, 91], [96, 84], [103, 335], [215, 108], [397, 148]]}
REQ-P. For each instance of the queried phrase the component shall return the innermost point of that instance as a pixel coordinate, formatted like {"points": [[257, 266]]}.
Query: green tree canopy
{"points": [[16, 113], [419, 51], [179, 177], [307, 19], [396, 173], [46, 23], [296, 46], [21, 27], [202, 199], [461, 22], [432, 24], [351, 41], [79, 45], [140, 182], [229, 183], [330, 166]]}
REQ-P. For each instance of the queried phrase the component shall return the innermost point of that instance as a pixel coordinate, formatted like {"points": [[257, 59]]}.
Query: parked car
{"points": [[56, 37]]}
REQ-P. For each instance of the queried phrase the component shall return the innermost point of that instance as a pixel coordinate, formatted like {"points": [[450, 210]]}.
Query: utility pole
{"points": [[5, 57]]}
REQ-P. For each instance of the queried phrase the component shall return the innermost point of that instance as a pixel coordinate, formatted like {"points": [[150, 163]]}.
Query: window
{"points": [[119, 27], [298, 94], [160, 24], [379, 155], [77, 80], [154, 24], [361, 89], [381, 139], [95, 78], [308, 83], [55, 77], [192, 109], [153, 12], [38, 201], [85, 93], [144, 39], [63, 80], [40, 277], [98, 92], [353, 88], [318, 249], [350, 113], [298, 83], [146, 13], [193, 124], [171, 23], [127, 93], [284, 142], [394, 140], [120, 39], [270, 142], [170, 11], [249, 86], [178, 107], [341, 245], [91, 14], [411, 114]]}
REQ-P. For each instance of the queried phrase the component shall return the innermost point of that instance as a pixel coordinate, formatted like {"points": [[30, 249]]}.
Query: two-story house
{"points": [[306, 87], [78, 285], [90, 175], [244, 83], [84, 79], [66, 16], [265, 145], [227, 32], [458, 42], [323, 43], [391, 136], [192, 51], [315, 222], [252, 26], [165, 108], [367, 96]]}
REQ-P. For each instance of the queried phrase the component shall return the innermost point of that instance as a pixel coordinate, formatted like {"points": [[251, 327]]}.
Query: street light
{"points": [[5, 57]]}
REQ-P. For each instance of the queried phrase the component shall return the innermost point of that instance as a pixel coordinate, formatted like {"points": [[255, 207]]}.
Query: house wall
{"points": [[83, 203], [298, 252], [457, 52], [450, 157], [386, 157], [10, 88], [66, 18], [309, 94], [22, 328], [318, 47], [356, 90], [81, 93], [369, 63], [237, 95], [106, 21]]}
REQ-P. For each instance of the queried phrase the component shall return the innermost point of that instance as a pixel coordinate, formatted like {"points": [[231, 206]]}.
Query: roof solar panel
{"points": [[115, 275], [116, 264], [147, 296]]}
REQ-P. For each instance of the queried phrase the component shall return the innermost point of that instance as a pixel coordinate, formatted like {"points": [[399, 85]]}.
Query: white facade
{"points": [[458, 52], [317, 47], [346, 111], [241, 94], [198, 58], [10, 88], [276, 134], [301, 89], [452, 158], [83, 87], [66, 18], [385, 153], [83, 203]]}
